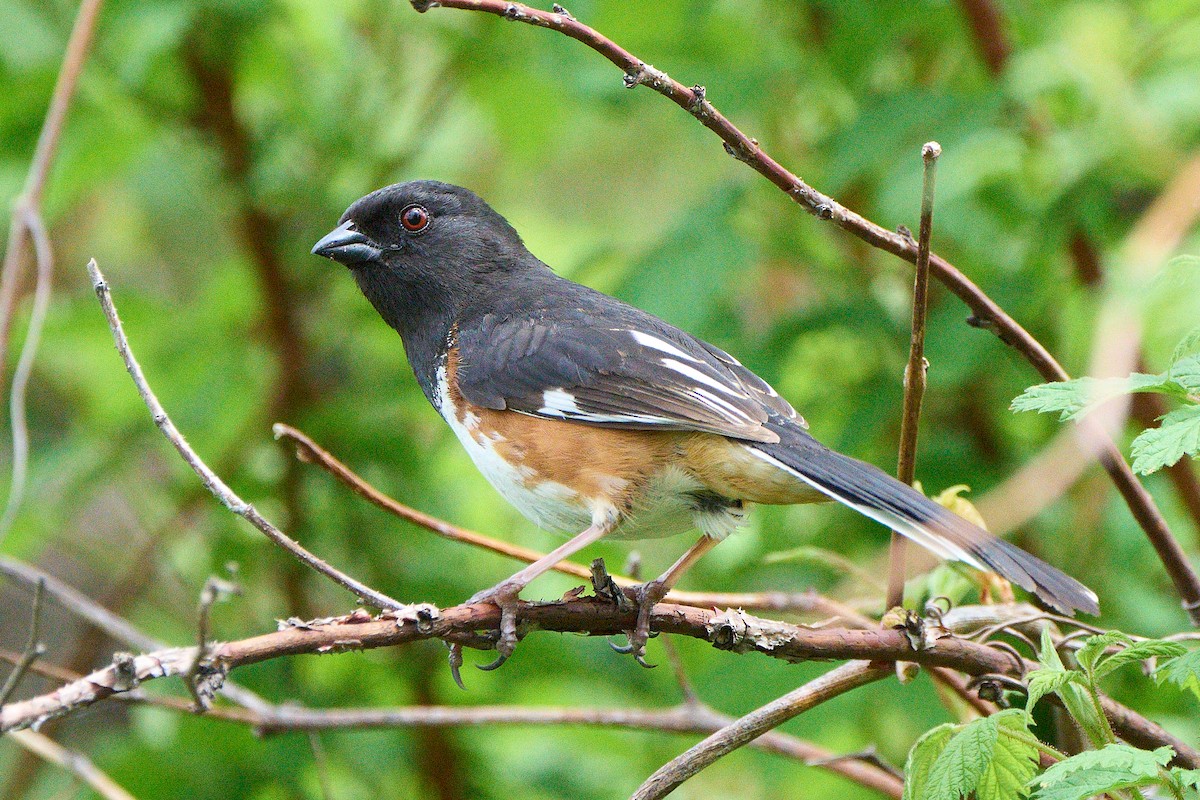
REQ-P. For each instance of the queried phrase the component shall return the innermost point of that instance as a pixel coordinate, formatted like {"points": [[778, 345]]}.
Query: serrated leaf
{"points": [[1137, 652], [921, 758], [1075, 693], [1092, 772], [1176, 436], [1183, 671], [1189, 778], [1185, 370], [982, 758], [1014, 761], [1048, 681], [1094, 647], [1074, 398], [1190, 342]]}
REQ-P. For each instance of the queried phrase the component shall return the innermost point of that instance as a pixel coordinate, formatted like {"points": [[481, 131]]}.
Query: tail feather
{"points": [[875, 494]]}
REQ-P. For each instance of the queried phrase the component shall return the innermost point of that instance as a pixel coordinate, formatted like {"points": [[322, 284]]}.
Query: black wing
{"points": [[613, 366]]}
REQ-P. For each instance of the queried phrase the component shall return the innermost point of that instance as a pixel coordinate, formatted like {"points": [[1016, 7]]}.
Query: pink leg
{"points": [[504, 595]]}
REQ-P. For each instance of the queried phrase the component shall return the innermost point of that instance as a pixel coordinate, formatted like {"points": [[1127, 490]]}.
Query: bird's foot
{"points": [[646, 595], [504, 596]]}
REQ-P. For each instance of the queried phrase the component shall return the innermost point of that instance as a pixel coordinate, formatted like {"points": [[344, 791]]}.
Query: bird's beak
{"points": [[346, 245]]}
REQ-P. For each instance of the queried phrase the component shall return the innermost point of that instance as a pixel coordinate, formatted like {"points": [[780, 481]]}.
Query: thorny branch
{"points": [[986, 312]]}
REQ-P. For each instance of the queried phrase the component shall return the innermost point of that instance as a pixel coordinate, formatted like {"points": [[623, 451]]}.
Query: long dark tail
{"points": [[874, 493]]}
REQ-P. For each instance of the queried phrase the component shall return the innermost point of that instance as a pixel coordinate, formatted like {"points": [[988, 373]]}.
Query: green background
{"points": [[212, 143]]}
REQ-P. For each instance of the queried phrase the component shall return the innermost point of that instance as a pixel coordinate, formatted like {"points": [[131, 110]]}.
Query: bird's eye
{"points": [[414, 218]]}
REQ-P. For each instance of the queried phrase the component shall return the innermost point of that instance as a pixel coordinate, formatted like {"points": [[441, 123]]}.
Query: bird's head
{"points": [[419, 247]]}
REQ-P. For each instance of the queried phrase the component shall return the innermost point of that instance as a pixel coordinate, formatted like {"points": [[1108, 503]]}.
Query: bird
{"points": [[599, 420]]}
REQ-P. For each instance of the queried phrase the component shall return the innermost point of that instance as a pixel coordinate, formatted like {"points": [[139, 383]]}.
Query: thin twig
{"points": [[916, 369], [215, 590], [833, 683], [43, 158], [987, 314], [322, 764], [76, 763], [210, 479], [44, 255], [34, 649], [310, 452]]}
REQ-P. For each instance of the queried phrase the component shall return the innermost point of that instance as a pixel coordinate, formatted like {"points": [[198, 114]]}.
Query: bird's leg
{"points": [[649, 594], [504, 594]]}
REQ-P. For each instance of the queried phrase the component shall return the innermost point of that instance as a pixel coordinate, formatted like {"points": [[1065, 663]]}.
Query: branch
{"points": [[727, 630], [688, 717], [209, 478], [76, 763], [987, 313], [833, 683], [915, 370]]}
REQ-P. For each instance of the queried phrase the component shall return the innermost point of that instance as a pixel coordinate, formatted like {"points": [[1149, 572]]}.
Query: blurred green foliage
{"points": [[211, 143]]}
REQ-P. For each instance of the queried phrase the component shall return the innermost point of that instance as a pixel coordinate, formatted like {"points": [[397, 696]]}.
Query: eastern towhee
{"points": [[590, 415]]}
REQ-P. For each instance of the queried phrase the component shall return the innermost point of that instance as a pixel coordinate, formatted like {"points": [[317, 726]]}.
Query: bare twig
{"points": [[76, 763], [833, 683], [309, 451], [44, 256], [210, 479], [33, 648], [915, 370], [987, 314], [43, 157], [215, 590]]}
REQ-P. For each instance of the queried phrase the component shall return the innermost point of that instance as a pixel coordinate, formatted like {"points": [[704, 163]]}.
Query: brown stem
{"points": [[915, 370], [43, 158], [987, 313], [836, 682], [987, 27]]}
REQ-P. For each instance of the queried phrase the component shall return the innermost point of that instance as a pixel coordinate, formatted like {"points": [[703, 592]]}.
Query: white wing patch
{"points": [[700, 377], [558, 402], [653, 342]]}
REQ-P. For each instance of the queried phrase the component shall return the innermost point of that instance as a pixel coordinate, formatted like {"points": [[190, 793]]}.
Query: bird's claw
{"points": [[504, 597], [647, 596]]}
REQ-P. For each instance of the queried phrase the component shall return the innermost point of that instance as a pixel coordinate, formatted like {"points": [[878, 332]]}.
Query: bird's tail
{"points": [[875, 494]]}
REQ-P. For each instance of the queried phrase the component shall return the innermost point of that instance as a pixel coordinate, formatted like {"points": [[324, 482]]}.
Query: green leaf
{"points": [[1076, 694], [1137, 652], [1074, 398], [990, 758], [1048, 681], [1189, 343], [1092, 772], [1189, 778], [1177, 435], [1094, 647], [1014, 761], [921, 758], [1183, 671]]}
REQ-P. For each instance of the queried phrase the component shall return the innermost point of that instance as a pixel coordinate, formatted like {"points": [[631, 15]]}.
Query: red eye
{"points": [[414, 218]]}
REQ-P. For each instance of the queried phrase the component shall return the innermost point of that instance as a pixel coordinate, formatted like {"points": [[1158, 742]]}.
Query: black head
{"points": [[417, 249]]}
